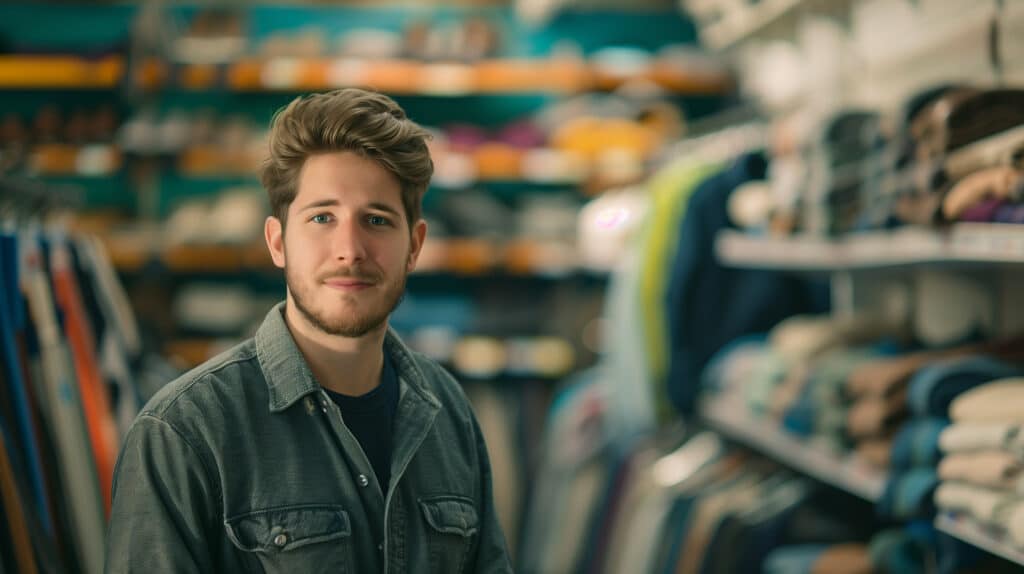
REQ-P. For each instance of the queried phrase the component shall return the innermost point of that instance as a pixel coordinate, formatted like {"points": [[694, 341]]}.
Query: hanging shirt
{"points": [[371, 417]]}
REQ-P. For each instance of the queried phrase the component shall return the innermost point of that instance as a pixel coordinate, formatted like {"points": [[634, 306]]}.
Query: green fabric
{"points": [[670, 190], [245, 465]]}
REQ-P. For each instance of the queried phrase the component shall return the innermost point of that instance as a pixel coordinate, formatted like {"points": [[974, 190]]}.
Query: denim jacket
{"points": [[245, 465]]}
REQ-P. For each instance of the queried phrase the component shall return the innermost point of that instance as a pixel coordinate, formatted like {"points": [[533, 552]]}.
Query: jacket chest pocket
{"points": [[452, 525], [308, 538]]}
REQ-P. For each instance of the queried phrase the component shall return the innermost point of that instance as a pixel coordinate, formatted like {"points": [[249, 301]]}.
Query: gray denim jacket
{"points": [[245, 465]]}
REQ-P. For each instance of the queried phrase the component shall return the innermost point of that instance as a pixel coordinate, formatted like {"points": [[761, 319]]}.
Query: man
{"points": [[323, 444]]}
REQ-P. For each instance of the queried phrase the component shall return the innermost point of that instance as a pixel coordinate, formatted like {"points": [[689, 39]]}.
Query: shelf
{"points": [[495, 163], [743, 21], [134, 256], [849, 473], [65, 72], [71, 160], [461, 257], [194, 351], [973, 533], [961, 243], [413, 77]]}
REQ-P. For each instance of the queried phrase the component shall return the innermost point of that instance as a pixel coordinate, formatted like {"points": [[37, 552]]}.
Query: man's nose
{"points": [[349, 241]]}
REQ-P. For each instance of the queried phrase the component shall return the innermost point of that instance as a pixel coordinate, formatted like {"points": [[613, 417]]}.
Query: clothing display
{"points": [[73, 433], [716, 287]]}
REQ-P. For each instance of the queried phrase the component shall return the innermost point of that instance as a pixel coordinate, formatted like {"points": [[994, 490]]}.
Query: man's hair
{"points": [[363, 122]]}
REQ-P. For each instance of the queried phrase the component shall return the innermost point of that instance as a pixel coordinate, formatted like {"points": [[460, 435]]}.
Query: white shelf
{"points": [[848, 473], [972, 533], [961, 243]]}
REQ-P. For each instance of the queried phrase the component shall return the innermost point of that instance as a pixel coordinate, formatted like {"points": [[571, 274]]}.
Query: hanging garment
{"points": [[80, 482], [14, 511], [115, 349], [92, 389], [707, 304], [28, 437], [671, 191]]}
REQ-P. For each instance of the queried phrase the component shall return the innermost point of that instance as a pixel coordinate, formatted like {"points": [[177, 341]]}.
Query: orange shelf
{"points": [[35, 72], [397, 76], [63, 159], [459, 256]]}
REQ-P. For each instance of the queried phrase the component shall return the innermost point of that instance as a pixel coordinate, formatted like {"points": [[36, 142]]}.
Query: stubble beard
{"points": [[353, 325]]}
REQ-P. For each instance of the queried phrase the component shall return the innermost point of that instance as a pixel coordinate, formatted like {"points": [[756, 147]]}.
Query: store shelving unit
{"points": [[60, 72], [963, 243], [400, 77], [900, 251], [414, 77], [845, 471]]}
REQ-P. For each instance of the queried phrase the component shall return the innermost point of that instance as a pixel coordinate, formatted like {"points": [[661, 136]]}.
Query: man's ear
{"points": [[273, 233], [418, 236]]}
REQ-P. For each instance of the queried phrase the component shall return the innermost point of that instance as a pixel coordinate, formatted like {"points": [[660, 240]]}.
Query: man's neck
{"points": [[347, 365]]}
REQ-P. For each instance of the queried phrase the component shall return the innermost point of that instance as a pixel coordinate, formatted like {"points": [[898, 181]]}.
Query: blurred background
{"points": [[733, 285]]}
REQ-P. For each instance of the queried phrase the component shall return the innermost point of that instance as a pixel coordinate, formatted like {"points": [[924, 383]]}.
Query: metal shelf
{"points": [[973, 533], [990, 243], [849, 473]]}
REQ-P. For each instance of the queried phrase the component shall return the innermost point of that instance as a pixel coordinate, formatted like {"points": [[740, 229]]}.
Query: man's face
{"points": [[347, 247]]}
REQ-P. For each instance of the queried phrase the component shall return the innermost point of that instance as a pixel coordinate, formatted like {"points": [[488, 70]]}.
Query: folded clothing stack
{"points": [[982, 471]]}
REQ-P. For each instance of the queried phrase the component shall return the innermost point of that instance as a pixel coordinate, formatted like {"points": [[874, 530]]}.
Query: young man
{"points": [[323, 444]]}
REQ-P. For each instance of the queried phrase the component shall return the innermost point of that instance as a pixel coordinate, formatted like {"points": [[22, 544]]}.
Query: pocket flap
{"points": [[287, 528], [450, 514]]}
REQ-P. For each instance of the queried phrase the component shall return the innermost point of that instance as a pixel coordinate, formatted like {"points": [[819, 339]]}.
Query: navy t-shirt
{"points": [[371, 418]]}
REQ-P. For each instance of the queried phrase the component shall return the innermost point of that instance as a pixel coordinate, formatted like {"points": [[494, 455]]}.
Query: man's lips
{"points": [[348, 283]]}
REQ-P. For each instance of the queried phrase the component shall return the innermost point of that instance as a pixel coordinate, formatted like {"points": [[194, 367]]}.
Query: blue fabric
{"points": [[673, 535], [904, 549], [933, 388], [909, 495], [11, 301], [917, 444], [800, 418], [793, 559], [708, 304]]}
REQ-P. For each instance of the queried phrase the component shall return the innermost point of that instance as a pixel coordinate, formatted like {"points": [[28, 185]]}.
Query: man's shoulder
{"points": [[206, 385]]}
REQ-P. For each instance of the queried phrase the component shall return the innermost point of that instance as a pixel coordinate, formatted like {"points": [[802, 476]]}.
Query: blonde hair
{"points": [[367, 123]]}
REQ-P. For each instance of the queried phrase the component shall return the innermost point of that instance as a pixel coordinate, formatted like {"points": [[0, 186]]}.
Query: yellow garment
{"points": [[670, 191]]}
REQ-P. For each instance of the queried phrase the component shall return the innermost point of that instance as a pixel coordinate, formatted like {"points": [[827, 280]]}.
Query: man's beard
{"points": [[354, 324]]}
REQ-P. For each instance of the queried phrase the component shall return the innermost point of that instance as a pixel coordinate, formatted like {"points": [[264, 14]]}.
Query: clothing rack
{"points": [[67, 393]]}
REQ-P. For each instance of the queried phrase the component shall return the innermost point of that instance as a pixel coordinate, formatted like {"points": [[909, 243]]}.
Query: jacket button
{"points": [[280, 540], [363, 481]]}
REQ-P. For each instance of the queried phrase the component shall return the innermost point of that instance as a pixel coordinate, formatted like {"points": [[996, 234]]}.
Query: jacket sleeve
{"points": [[492, 552], [162, 500]]}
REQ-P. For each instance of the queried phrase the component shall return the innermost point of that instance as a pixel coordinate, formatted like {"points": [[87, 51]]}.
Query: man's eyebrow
{"points": [[320, 203], [384, 207]]}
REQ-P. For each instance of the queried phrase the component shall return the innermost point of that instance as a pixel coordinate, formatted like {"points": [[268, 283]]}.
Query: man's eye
{"points": [[321, 218], [377, 220]]}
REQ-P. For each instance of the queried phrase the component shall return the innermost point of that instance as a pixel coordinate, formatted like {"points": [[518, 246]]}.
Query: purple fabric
{"points": [[464, 137], [1009, 213], [522, 135], [984, 210]]}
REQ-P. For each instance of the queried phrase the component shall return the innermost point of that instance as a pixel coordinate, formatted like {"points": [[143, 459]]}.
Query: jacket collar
{"points": [[288, 375]]}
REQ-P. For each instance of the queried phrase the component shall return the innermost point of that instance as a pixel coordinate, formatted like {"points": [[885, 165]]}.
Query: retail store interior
{"points": [[732, 286]]}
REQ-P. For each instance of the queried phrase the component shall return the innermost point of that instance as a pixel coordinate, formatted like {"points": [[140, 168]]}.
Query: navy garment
{"points": [[908, 495], [933, 388], [371, 419], [917, 444], [708, 304]]}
